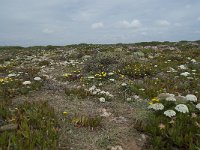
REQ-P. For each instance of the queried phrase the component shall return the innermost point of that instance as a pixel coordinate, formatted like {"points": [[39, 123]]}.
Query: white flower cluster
{"points": [[182, 108], [198, 106], [95, 91], [191, 98], [171, 99], [156, 106], [182, 67], [185, 74], [170, 113]]}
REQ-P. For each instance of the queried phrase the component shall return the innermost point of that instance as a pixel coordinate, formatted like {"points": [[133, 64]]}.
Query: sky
{"points": [[63, 22]]}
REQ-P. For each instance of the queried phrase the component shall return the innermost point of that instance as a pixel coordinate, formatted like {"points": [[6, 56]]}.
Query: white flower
{"points": [[90, 77], [124, 84], [92, 88], [191, 98], [182, 67], [102, 92], [170, 113], [198, 106], [185, 74], [37, 79], [110, 73], [113, 80], [110, 95], [182, 108], [141, 89], [171, 70], [193, 60], [170, 98], [107, 93], [26, 82], [128, 99], [102, 100], [12, 75], [156, 106], [94, 92]]}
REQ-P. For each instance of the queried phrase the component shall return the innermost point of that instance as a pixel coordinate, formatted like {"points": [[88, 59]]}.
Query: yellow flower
{"points": [[65, 113], [155, 99], [150, 103]]}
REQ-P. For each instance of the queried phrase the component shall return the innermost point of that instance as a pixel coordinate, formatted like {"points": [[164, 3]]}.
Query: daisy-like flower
{"points": [[102, 99], [113, 80], [124, 84], [92, 88], [156, 106], [185, 74], [12, 75], [182, 67], [198, 106], [171, 99], [37, 79], [191, 98], [182, 108], [65, 113], [90, 77], [26, 82], [170, 113], [110, 73]]}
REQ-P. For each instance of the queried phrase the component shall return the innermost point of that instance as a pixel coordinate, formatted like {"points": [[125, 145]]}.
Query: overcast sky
{"points": [[62, 22]]}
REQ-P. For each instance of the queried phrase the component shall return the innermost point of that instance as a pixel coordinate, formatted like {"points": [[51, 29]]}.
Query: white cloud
{"points": [[47, 31], [97, 25], [163, 23], [198, 19], [135, 24]]}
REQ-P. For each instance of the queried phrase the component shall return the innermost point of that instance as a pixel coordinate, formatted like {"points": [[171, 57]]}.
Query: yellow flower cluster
{"points": [[70, 74], [154, 100], [5, 80], [67, 74], [76, 71], [102, 74]]}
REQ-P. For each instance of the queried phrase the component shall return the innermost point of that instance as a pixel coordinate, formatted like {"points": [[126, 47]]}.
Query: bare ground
{"points": [[117, 130]]}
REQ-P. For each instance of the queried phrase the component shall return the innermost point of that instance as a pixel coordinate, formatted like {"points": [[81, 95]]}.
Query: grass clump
{"points": [[86, 121]]}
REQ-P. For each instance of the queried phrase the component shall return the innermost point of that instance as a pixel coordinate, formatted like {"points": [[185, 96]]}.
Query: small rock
{"points": [[120, 119], [105, 113]]}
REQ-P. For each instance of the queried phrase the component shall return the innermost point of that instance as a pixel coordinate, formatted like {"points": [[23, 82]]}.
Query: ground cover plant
{"points": [[115, 96]]}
